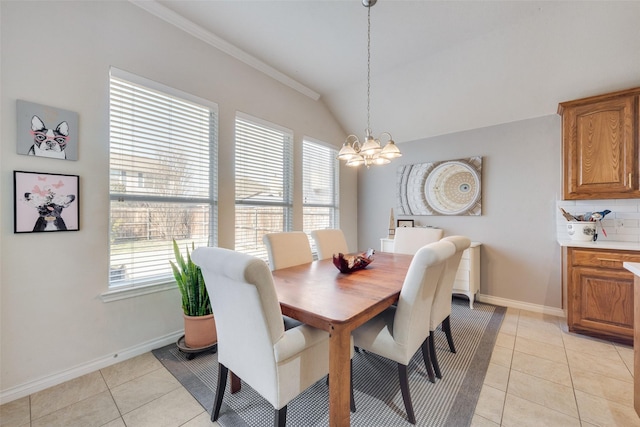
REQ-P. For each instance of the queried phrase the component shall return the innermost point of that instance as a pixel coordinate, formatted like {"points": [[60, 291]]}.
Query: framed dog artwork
{"points": [[45, 131], [45, 202]]}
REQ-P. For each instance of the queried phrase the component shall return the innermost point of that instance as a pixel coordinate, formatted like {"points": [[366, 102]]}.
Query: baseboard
{"points": [[521, 305], [43, 383]]}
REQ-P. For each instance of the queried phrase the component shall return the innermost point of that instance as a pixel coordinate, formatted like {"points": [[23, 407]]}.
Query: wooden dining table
{"points": [[319, 295]]}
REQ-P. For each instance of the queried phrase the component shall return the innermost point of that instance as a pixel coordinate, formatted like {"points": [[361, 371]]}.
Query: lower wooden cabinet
{"points": [[599, 293]]}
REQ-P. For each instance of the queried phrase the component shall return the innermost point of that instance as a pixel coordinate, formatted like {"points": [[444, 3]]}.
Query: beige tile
{"points": [[505, 340], [172, 409], [533, 317], [588, 345], [501, 356], [490, 403], [16, 413], [604, 412], [202, 420], [542, 368], [497, 376], [520, 412], [546, 351], [96, 410], [626, 354], [541, 332], [142, 390], [509, 328], [512, 312], [542, 392], [129, 369], [603, 386], [118, 422], [478, 421], [65, 394], [586, 362]]}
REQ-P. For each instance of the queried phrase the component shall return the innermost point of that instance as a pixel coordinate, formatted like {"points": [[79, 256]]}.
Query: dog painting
{"points": [[45, 202], [47, 131]]}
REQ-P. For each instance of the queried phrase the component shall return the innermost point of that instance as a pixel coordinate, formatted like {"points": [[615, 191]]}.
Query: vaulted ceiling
{"points": [[436, 66]]}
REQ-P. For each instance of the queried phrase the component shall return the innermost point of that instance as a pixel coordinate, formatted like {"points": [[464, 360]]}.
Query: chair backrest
{"points": [[329, 241], [246, 309], [409, 239], [413, 312], [442, 301], [287, 249]]}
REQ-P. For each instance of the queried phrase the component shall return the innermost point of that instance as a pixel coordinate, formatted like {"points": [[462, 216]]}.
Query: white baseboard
{"points": [[40, 384], [521, 305]]}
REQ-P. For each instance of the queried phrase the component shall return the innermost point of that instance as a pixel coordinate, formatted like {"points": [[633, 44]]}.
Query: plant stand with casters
{"points": [[191, 352]]}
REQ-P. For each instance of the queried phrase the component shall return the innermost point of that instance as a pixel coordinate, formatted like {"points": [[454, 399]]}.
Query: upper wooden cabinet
{"points": [[600, 138]]}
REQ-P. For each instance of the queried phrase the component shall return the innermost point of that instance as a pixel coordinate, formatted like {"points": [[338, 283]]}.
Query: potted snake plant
{"points": [[199, 323]]}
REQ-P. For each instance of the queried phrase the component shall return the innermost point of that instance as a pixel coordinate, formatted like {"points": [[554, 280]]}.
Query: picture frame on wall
{"points": [[45, 131], [45, 202], [405, 223]]}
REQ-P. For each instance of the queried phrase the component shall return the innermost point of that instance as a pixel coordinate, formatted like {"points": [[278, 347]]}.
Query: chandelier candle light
{"points": [[371, 151]]}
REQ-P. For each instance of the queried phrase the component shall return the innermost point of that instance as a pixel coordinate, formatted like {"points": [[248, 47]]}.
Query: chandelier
{"points": [[370, 152]]}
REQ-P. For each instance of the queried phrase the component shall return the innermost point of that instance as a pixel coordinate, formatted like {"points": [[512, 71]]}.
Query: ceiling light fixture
{"points": [[371, 152]]}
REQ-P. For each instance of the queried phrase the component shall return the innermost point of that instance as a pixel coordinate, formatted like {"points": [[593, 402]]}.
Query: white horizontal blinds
{"points": [[162, 178], [263, 168], [319, 186]]}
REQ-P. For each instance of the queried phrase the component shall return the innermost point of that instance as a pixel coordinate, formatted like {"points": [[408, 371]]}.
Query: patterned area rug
{"points": [[451, 401]]}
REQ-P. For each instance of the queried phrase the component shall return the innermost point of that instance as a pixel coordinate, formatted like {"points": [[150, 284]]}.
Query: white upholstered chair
{"points": [[287, 249], [252, 341], [329, 241], [399, 331], [408, 240], [441, 310]]}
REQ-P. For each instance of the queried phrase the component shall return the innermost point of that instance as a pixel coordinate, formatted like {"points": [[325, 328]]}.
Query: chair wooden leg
{"points": [[353, 400], [222, 383], [280, 419], [427, 360], [404, 388], [434, 356], [446, 327]]}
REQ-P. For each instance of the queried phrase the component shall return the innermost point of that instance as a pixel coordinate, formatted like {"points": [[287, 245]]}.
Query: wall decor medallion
{"points": [[452, 187]]}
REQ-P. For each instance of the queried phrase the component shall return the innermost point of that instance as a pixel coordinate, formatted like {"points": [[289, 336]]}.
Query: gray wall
{"points": [[521, 176], [54, 325]]}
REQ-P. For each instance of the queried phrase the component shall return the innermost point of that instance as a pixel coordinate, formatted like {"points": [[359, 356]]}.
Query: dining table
{"points": [[319, 295]]}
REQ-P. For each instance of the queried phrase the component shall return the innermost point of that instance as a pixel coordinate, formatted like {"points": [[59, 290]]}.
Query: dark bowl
{"points": [[348, 263]]}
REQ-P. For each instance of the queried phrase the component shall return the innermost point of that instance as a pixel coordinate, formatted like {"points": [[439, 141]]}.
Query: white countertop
{"points": [[633, 267], [601, 244]]}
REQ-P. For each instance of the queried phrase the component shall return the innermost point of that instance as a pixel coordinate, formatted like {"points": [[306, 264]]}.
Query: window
{"points": [[263, 182], [319, 186], [163, 146]]}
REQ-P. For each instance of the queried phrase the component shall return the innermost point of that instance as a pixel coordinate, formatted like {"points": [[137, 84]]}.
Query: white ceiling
{"points": [[436, 66]]}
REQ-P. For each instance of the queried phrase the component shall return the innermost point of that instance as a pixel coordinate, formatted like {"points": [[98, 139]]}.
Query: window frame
{"points": [[287, 181], [335, 204], [164, 281]]}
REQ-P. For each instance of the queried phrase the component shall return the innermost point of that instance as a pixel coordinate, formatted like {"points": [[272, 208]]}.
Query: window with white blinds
{"points": [[263, 181], [163, 146], [319, 186]]}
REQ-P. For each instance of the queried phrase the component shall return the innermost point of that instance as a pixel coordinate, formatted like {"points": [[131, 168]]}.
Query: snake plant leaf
{"points": [[188, 276]]}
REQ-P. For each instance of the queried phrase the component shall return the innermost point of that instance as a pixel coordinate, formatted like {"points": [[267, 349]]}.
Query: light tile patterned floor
{"points": [[539, 374]]}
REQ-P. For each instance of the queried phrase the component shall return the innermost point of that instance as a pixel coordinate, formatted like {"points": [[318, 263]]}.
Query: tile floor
{"points": [[539, 374]]}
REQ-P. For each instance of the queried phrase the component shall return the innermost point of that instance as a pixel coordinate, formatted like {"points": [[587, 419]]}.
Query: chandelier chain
{"points": [[368, 69]]}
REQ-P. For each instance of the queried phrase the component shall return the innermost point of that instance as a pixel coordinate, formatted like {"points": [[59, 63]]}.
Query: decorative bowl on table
{"points": [[348, 263]]}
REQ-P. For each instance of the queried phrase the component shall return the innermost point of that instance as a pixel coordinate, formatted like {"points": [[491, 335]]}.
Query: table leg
{"points": [[235, 383], [339, 376]]}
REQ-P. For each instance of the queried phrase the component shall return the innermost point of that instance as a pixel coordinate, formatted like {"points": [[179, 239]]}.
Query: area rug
{"points": [[451, 401]]}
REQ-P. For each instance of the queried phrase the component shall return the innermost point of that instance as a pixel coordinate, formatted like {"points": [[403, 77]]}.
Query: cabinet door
{"points": [[602, 301], [600, 149]]}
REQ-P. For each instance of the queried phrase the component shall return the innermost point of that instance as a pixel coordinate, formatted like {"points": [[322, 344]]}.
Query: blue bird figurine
{"points": [[597, 216]]}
